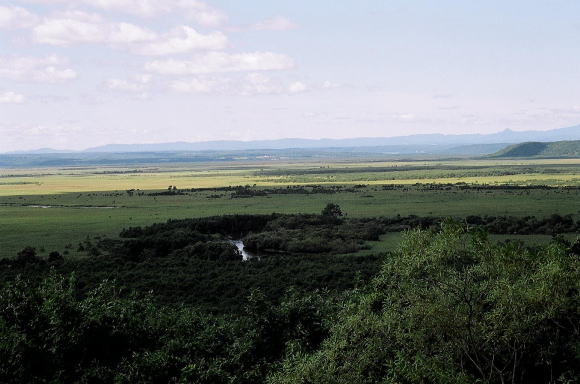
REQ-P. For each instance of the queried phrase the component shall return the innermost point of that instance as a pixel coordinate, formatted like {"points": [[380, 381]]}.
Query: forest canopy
{"points": [[450, 306]]}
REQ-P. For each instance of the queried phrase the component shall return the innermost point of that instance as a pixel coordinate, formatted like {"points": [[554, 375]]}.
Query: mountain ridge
{"points": [[506, 136]]}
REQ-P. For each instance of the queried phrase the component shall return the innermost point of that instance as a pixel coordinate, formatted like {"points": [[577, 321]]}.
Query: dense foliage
{"points": [[48, 333], [450, 306], [315, 234], [453, 307], [194, 262]]}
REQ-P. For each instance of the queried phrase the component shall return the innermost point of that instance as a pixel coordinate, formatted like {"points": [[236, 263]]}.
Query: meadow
{"points": [[56, 208]]}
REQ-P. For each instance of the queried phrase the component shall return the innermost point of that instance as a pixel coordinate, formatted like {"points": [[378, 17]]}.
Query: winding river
{"points": [[246, 255]]}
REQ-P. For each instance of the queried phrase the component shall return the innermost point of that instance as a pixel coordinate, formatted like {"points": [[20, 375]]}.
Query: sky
{"points": [[82, 73]]}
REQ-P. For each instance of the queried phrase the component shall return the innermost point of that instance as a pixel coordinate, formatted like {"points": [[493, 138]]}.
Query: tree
{"points": [[55, 257], [27, 255], [332, 210]]}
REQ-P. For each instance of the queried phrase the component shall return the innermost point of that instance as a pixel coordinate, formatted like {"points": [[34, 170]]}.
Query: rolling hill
{"points": [[538, 149]]}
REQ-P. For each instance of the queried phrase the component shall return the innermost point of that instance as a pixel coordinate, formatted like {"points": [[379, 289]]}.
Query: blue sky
{"points": [[81, 73]]}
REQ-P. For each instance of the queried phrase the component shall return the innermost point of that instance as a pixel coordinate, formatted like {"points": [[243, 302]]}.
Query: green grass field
{"points": [[53, 208]]}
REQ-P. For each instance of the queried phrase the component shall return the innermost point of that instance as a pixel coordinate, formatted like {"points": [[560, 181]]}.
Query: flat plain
{"points": [[56, 208]]}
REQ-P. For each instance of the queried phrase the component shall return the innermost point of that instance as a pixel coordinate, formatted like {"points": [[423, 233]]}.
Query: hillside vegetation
{"points": [[450, 306], [537, 149]]}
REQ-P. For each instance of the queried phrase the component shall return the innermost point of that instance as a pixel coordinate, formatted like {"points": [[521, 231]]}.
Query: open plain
{"points": [[56, 208]]}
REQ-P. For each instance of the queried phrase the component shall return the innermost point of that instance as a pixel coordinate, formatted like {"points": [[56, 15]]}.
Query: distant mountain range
{"points": [[424, 143], [538, 149]]}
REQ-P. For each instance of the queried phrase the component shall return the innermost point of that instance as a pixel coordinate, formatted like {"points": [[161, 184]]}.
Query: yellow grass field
{"points": [[559, 172]]}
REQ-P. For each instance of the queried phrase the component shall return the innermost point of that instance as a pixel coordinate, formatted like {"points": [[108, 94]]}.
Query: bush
{"points": [[27, 255], [48, 333], [55, 257], [211, 250]]}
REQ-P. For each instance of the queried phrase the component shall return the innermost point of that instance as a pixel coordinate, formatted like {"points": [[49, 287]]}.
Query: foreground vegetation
{"points": [[449, 306], [453, 307]]}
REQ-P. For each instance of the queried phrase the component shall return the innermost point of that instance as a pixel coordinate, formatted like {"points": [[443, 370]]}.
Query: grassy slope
{"points": [[537, 149]]}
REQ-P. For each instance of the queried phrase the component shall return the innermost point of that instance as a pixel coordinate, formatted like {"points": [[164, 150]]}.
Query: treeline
{"points": [[529, 225], [279, 234], [336, 234], [499, 225], [314, 234], [253, 190], [241, 191], [229, 225], [248, 191], [287, 234]]}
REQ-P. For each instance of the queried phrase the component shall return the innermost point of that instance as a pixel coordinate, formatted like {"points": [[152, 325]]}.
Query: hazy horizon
{"points": [[76, 74], [341, 139]]}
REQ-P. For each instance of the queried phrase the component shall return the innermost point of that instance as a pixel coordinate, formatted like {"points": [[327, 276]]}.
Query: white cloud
{"points": [[147, 8], [259, 84], [11, 98], [52, 130], [125, 33], [79, 27], [275, 24], [16, 18], [123, 85], [202, 14], [195, 10], [183, 39], [68, 30], [137, 84], [194, 85], [250, 84], [330, 85], [216, 62], [404, 116], [50, 69], [297, 87]]}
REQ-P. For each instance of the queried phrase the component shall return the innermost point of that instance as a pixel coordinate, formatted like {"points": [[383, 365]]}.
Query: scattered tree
{"points": [[27, 255], [332, 210]]}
